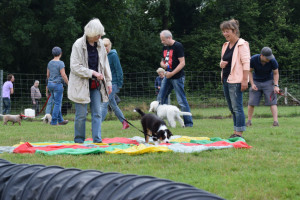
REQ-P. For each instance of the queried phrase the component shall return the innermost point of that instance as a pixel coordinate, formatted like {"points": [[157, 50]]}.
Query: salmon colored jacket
{"points": [[240, 61]]}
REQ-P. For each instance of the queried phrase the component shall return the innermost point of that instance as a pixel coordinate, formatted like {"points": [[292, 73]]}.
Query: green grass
{"points": [[269, 170]]}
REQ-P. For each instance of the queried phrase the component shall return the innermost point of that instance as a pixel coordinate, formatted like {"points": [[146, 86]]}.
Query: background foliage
{"points": [[31, 28]]}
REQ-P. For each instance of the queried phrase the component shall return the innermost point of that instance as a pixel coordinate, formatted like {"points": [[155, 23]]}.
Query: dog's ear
{"points": [[169, 133]]}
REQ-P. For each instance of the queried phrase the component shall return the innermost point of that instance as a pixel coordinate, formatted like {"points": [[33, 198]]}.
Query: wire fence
{"points": [[203, 89]]}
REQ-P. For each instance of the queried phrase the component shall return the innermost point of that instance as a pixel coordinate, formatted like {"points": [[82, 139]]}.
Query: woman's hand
{"points": [[244, 85], [98, 75], [109, 89], [223, 64]]}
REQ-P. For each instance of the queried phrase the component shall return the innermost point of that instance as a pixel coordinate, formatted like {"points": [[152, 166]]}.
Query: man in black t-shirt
{"points": [[173, 62]]}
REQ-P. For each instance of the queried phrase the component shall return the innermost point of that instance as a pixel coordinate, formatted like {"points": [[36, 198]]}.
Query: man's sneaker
{"points": [[275, 123], [249, 123]]}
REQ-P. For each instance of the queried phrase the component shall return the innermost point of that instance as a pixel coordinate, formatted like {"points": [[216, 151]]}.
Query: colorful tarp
{"points": [[132, 146]]}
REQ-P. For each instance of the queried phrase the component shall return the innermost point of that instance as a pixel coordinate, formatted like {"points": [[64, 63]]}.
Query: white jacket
{"points": [[78, 87]]}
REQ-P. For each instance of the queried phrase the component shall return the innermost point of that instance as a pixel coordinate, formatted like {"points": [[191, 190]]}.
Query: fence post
{"points": [[285, 96], [1, 84]]}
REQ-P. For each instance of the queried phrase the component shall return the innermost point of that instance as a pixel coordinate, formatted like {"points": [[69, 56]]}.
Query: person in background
{"points": [[117, 83], [235, 65], [90, 79], [173, 61], [7, 90], [161, 75], [264, 80], [56, 75], [35, 97]]}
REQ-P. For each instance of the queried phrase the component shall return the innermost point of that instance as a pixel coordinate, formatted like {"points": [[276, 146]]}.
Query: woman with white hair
{"points": [[90, 79]]}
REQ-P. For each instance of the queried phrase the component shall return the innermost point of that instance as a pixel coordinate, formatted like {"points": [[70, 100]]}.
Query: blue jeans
{"points": [[80, 118], [56, 90], [234, 98], [6, 105], [49, 105], [166, 88], [113, 104]]}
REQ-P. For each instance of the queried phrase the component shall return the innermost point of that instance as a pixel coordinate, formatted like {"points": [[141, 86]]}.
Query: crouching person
{"points": [[89, 69]]}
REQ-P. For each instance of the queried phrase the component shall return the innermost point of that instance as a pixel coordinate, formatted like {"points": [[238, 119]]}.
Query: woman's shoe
{"points": [[125, 125]]}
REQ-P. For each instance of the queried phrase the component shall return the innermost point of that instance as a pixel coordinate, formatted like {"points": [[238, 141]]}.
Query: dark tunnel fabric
{"points": [[39, 182]]}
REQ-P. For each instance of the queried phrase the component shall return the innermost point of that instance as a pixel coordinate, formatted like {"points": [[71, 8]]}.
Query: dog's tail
{"points": [[139, 111], [184, 113]]}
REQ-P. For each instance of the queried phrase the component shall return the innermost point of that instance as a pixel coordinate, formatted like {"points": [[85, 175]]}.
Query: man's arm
{"points": [[276, 76], [177, 69], [251, 79], [276, 80]]}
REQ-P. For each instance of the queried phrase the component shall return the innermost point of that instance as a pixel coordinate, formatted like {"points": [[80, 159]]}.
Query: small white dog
{"points": [[47, 119], [169, 112]]}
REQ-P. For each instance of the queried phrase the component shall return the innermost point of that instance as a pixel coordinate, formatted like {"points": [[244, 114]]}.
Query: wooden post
{"points": [[285, 96]]}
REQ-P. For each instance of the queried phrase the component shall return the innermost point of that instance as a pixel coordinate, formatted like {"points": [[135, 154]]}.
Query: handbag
{"points": [[94, 84]]}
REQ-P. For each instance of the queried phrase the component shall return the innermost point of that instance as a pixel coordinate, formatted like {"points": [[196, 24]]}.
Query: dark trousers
{"points": [[6, 105], [36, 106]]}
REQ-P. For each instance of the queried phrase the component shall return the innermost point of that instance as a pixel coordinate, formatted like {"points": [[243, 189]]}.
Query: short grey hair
{"points": [[166, 34], [36, 81], [94, 28]]}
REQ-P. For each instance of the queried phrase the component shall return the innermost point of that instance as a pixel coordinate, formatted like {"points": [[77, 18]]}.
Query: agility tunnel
{"points": [[33, 182]]}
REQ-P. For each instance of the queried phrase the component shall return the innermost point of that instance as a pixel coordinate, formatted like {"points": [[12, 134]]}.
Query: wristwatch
{"points": [[276, 85]]}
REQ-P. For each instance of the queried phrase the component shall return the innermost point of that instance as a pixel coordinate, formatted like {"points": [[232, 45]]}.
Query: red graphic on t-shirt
{"points": [[169, 58]]}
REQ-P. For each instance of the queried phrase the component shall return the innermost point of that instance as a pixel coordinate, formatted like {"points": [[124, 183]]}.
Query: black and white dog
{"points": [[154, 127]]}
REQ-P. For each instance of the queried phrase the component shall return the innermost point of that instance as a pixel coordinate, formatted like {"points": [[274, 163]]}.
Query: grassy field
{"points": [[269, 170]]}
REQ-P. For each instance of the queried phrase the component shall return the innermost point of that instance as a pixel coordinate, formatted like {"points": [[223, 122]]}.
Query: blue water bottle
{"points": [[168, 66]]}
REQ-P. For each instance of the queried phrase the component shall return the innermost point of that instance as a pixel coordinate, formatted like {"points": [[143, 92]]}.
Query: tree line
{"points": [[31, 28]]}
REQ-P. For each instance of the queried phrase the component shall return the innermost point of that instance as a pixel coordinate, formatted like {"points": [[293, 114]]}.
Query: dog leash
{"points": [[122, 117], [44, 104], [25, 116]]}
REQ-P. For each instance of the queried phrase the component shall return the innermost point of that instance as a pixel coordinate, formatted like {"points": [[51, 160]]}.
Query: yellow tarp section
{"points": [[188, 139], [140, 149]]}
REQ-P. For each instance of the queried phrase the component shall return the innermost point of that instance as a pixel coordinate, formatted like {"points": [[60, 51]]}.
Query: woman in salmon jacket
{"points": [[235, 64]]}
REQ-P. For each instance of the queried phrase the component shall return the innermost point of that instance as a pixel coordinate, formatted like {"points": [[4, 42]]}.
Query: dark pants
{"points": [[6, 105], [36, 107]]}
